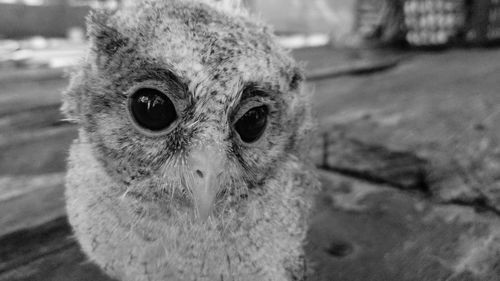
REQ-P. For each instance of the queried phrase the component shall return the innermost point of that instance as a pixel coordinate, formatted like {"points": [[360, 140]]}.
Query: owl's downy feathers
{"points": [[191, 158]]}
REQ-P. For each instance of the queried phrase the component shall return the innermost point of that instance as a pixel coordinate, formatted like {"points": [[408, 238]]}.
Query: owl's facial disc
{"points": [[207, 165]]}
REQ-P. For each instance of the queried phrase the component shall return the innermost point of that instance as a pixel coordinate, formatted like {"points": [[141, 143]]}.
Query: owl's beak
{"points": [[207, 165]]}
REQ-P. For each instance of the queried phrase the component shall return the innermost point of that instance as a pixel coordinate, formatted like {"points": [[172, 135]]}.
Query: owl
{"points": [[191, 158]]}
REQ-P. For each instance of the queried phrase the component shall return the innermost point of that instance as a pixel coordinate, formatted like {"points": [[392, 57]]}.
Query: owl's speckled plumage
{"points": [[128, 191]]}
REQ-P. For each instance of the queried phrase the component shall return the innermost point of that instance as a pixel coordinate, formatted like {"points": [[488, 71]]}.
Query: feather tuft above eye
{"points": [[297, 78], [103, 35]]}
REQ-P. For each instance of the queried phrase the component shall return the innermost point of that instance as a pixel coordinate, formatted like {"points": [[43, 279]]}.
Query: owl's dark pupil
{"points": [[252, 124], [151, 109]]}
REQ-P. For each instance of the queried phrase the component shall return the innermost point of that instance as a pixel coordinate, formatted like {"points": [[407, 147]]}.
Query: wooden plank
{"points": [[47, 252], [353, 68], [393, 235], [328, 62], [23, 246], [45, 116], [67, 264], [28, 201], [365, 232], [441, 108], [16, 96], [36, 151], [394, 127], [23, 75], [374, 163]]}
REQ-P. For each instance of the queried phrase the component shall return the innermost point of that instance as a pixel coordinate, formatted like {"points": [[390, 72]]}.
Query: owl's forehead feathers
{"points": [[205, 42]]}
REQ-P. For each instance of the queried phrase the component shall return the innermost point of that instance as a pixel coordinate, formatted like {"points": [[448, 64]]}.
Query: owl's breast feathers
{"points": [[138, 241]]}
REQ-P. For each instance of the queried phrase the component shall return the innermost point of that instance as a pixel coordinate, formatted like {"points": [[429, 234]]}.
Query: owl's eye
{"points": [[151, 109], [252, 124]]}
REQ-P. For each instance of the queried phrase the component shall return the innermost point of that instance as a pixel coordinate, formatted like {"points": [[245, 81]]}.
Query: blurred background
{"points": [[407, 94]]}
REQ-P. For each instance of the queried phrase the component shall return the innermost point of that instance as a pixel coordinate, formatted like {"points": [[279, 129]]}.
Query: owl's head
{"points": [[188, 101]]}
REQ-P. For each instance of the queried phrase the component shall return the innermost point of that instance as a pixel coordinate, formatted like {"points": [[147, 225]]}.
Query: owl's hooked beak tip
{"points": [[207, 165]]}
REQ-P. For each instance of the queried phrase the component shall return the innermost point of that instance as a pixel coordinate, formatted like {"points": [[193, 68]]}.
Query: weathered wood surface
{"points": [[360, 232], [371, 232], [417, 143], [443, 108], [46, 252], [374, 163], [30, 201]]}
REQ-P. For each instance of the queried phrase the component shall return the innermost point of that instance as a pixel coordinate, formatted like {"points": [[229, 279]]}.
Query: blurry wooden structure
{"points": [[429, 23], [48, 18], [380, 21], [483, 26], [20, 20], [335, 17], [434, 23]]}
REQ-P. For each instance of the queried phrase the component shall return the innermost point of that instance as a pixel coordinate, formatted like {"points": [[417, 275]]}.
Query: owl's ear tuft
{"points": [[104, 37], [296, 79]]}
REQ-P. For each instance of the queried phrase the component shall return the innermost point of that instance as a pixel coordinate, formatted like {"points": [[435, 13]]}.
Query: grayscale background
{"points": [[407, 97]]}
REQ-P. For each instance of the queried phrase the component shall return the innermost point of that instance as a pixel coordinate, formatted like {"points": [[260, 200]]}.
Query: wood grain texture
{"points": [[371, 162], [419, 144], [31, 201]]}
